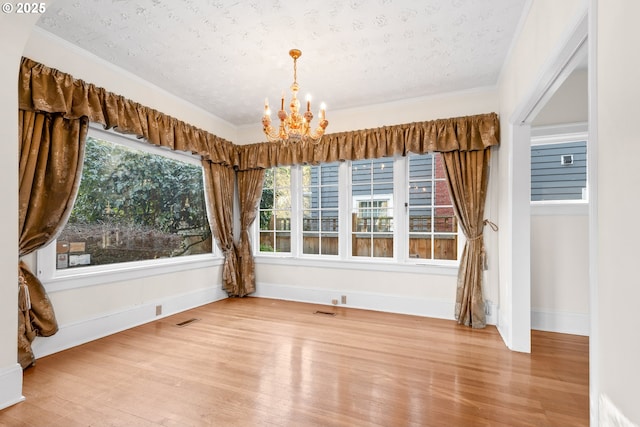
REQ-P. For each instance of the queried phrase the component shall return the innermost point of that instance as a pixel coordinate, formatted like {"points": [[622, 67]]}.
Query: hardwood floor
{"points": [[261, 362]]}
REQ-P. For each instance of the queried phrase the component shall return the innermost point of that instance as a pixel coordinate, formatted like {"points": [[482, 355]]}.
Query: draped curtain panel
{"points": [[219, 184], [51, 153], [467, 175], [250, 191]]}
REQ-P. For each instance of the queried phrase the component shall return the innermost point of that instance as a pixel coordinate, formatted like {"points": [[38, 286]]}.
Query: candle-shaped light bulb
{"points": [[282, 102], [308, 102], [266, 107], [323, 111]]}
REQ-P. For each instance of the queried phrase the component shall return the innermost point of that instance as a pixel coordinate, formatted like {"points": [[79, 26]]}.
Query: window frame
{"points": [[434, 206], [392, 207], [400, 261], [298, 197], [293, 218], [71, 278]]}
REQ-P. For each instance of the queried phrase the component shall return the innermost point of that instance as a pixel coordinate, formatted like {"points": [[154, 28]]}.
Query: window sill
{"points": [[443, 269], [577, 208], [98, 275]]}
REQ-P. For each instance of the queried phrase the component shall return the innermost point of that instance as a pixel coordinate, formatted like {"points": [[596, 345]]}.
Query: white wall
{"points": [[90, 312], [545, 28], [569, 104], [373, 288], [559, 271], [14, 31], [618, 150]]}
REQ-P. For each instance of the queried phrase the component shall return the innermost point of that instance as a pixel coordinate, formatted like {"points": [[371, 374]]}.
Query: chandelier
{"points": [[294, 127]]}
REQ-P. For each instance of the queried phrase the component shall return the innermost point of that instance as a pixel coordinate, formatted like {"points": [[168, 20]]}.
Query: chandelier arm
{"points": [[272, 136]]}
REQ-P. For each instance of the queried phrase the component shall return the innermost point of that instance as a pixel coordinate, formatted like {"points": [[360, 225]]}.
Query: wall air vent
{"points": [[566, 159]]}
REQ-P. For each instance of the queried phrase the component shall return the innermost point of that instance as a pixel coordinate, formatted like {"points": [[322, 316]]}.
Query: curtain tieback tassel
{"points": [[24, 299]]}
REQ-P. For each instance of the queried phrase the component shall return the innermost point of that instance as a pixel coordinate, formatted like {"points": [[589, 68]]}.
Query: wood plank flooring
{"points": [[262, 362]]}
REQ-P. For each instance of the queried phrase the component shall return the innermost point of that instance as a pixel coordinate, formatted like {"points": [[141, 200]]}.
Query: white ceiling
{"points": [[226, 56]]}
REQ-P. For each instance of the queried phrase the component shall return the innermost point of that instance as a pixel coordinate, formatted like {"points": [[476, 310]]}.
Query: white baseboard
{"points": [[87, 330], [492, 316], [427, 307], [610, 415], [562, 322], [504, 329], [10, 386]]}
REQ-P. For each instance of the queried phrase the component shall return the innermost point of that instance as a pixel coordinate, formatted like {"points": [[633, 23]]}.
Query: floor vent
{"points": [[187, 322], [328, 313]]}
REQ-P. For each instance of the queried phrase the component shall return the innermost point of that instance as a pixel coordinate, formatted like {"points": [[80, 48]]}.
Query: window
{"points": [[433, 229], [140, 211], [372, 216], [133, 205], [387, 210], [320, 215], [275, 211]]}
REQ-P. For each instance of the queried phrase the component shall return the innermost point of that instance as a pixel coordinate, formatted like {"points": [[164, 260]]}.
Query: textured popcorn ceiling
{"points": [[226, 56]]}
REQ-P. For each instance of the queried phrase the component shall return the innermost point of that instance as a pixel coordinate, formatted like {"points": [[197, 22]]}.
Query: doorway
{"points": [[565, 62]]}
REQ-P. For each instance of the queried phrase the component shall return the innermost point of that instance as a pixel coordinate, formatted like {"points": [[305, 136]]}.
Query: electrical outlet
{"points": [[158, 310], [487, 308], [343, 299], [334, 301]]}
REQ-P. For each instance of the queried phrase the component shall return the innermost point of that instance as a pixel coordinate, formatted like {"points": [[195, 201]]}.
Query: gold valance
{"points": [[48, 90], [470, 133]]}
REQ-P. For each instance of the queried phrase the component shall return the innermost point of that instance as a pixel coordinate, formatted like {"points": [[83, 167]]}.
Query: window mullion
{"points": [[296, 211], [433, 204], [400, 210], [345, 207], [46, 261]]}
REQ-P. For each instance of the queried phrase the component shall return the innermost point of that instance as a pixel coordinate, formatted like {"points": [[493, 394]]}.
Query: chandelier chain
{"points": [[295, 70]]}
